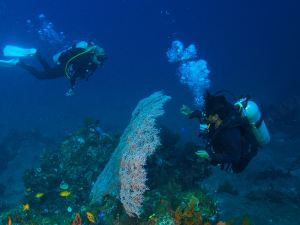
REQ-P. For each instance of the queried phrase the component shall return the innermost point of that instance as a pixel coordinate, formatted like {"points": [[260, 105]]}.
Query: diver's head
{"points": [[216, 105], [99, 55], [214, 119]]}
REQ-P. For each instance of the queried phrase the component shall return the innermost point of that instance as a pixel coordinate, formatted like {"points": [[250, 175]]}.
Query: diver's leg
{"points": [[245, 160], [41, 75], [43, 62]]}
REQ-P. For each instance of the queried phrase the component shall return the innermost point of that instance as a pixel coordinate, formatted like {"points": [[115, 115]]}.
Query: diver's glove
{"points": [[202, 154], [185, 110], [70, 92]]}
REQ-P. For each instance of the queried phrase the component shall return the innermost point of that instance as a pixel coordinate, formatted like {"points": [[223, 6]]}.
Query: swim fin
{"points": [[14, 51], [9, 63]]}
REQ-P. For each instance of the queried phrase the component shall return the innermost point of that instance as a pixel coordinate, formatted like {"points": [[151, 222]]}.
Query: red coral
{"points": [[77, 220]]}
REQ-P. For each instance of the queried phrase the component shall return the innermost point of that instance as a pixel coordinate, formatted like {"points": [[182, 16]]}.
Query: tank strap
{"points": [[259, 122]]}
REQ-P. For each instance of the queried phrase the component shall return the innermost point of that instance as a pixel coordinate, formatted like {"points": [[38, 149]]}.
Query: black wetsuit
{"points": [[82, 67], [232, 145]]}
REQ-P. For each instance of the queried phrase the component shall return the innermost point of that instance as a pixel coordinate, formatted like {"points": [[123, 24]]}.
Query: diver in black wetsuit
{"points": [[230, 143], [77, 62]]}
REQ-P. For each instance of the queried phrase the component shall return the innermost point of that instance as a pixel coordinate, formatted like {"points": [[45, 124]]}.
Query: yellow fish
{"points": [[26, 207], [39, 195], [64, 193], [90, 216], [28, 189], [152, 216], [9, 221]]}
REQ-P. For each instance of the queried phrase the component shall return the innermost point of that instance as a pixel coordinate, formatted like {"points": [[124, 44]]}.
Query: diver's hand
{"points": [[202, 154], [70, 92], [185, 110]]}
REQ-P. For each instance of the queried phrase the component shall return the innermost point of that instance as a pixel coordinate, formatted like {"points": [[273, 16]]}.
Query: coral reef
{"points": [[177, 163], [193, 208], [65, 176], [58, 191]]}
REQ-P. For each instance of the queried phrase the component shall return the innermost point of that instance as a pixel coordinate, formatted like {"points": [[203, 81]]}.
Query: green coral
{"points": [[166, 220], [78, 161]]}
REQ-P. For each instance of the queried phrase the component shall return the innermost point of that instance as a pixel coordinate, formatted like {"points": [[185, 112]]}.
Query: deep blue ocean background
{"points": [[251, 47]]}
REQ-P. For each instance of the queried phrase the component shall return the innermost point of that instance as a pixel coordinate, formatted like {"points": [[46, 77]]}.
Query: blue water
{"points": [[251, 47]]}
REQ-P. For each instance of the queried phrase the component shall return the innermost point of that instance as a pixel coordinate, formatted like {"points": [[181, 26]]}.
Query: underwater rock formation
{"points": [[11, 144], [284, 116], [177, 163]]}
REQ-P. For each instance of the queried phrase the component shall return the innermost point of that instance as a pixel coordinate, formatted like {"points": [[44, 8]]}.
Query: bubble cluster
{"points": [[191, 72], [178, 53], [48, 33], [195, 75], [45, 30]]}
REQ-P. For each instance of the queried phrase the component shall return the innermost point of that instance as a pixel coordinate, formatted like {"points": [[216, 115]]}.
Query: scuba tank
{"points": [[249, 110]]}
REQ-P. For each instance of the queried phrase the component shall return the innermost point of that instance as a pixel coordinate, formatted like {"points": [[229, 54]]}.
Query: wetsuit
{"points": [[81, 67], [231, 145]]}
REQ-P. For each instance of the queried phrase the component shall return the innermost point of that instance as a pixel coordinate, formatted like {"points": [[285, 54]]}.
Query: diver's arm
{"points": [[196, 114], [72, 82], [70, 91], [188, 112]]}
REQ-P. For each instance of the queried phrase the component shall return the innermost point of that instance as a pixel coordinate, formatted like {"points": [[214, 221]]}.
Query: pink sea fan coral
{"points": [[124, 175]]}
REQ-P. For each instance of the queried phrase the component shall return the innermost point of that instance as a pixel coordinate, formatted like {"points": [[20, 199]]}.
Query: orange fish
{"points": [[9, 221], [221, 223], [246, 220]]}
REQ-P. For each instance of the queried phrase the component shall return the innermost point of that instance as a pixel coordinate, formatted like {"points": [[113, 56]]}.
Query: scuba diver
{"points": [[232, 132], [78, 62]]}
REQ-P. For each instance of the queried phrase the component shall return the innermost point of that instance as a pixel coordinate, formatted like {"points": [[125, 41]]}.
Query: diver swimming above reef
{"points": [[233, 132], [77, 62]]}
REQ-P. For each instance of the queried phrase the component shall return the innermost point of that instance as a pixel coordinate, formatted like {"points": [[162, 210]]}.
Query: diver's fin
{"points": [[9, 63], [14, 51]]}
